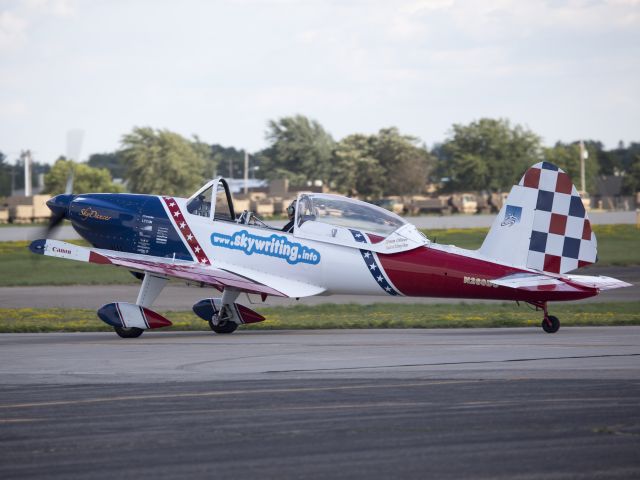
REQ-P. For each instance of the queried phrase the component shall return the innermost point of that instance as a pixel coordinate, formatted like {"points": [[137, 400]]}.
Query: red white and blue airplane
{"points": [[337, 245]]}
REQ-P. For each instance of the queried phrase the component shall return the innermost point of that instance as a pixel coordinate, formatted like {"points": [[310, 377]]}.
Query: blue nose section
{"points": [[59, 204]]}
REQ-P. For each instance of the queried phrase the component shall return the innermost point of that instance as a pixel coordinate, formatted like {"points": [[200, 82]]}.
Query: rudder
{"points": [[543, 224]]}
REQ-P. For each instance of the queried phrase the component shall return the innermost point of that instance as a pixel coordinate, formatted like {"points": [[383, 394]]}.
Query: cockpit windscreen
{"points": [[347, 212]]}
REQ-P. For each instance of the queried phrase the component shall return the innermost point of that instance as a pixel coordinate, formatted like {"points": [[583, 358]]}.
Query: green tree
{"points": [[205, 151], [5, 176], [162, 162], [86, 179], [487, 154], [631, 183], [406, 165], [567, 157], [300, 149], [111, 161], [355, 170], [622, 158], [387, 163], [228, 160]]}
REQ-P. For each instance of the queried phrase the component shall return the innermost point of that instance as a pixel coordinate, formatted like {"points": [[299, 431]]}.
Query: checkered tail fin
{"points": [[543, 224]]}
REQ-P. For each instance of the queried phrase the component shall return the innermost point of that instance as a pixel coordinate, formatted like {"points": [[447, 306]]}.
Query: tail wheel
{"points": [[131, 332], [225, 327], [551, 324]]}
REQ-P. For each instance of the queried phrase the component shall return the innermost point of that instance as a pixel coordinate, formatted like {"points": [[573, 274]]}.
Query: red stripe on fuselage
{"points": [[427, 272], [97, 258]]}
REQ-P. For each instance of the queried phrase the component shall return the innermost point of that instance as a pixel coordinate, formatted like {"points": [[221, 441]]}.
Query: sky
{"points": [[566, 69]]}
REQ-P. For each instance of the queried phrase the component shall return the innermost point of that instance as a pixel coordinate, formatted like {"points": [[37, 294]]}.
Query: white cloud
{"points": [[15, 24], [13, 109], [12, 30], [416, 6], [56, 8]]}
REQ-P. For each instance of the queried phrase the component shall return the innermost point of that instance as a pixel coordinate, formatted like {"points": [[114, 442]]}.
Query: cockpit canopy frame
{"points": [[350, 222], [204, 204]]}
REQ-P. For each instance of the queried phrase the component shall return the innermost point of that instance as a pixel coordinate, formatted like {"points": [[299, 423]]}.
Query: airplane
{"points": [[337, 245]]}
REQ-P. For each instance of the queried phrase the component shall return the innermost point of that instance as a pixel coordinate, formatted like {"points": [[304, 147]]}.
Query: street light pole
{"points": [[583, 155], [246, 172], [26, 157]]}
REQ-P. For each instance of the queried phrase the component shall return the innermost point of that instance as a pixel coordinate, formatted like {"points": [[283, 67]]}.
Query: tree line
{"points": [[484, 155]]}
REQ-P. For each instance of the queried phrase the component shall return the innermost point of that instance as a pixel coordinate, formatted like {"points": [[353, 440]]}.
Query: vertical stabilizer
{"points": [[543, 225]]}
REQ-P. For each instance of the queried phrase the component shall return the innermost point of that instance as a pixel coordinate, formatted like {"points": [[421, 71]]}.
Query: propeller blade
{"points": [[59, 206], [75, 138], [74, 144], [54, 222], [69, 186]]}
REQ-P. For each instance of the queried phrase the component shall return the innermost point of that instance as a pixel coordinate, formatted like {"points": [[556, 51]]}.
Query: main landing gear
{"points": [[226, 326], [222, 321], [131, 332], [550, 324]]}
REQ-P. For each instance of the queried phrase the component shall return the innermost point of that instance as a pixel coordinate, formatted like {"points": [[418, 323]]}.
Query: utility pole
{"points": [[26, 157], [583, 156], [13, 180], [246, 172]]}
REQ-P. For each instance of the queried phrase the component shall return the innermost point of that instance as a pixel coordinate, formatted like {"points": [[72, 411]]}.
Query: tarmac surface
{"points": [[178, 296], [66, 232], [458, 403]]}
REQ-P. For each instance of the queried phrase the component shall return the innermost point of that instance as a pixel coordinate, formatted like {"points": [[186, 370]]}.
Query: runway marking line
{"points": [[160, 396], [470, 362], [19, 420]]}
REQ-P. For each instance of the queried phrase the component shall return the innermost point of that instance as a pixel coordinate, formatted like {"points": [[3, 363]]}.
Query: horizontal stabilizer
{"points": [[599, 282], [567, 283], [534, 282]]}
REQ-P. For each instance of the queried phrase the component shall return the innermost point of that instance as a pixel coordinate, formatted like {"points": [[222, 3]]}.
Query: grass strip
{"points": [[381, 315]]}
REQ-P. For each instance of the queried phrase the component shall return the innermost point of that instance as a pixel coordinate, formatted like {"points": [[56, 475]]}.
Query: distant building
{"points": [[609, 196]]}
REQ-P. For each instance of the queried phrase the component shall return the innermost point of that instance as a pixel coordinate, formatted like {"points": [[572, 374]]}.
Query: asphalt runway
{"points": [[481, 403]]}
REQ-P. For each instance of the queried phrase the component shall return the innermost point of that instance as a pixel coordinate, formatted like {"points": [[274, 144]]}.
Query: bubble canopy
{"points": [[346, 212]]}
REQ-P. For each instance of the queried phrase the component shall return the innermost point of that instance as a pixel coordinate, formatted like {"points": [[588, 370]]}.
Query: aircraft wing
{"points": [[535, 282], [218, 276]]}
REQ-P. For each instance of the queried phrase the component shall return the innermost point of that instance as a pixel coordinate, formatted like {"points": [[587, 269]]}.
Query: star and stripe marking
{"points": [[371, 261], [185, 231]]}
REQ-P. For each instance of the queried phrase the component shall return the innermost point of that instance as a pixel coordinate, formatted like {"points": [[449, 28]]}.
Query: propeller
{"points": [[68, 189], [59, 205], [55, 220], [75, 138]]}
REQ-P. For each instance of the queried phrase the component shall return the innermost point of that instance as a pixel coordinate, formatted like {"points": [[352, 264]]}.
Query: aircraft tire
{"points": [[132, 332], [226, 327], [551, 326]]}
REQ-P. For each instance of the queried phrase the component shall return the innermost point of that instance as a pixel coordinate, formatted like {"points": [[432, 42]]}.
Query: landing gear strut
{"points": [[550, 324]]}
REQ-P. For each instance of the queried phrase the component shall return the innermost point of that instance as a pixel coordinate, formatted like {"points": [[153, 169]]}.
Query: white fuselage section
{"points": [[334, 269]]}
